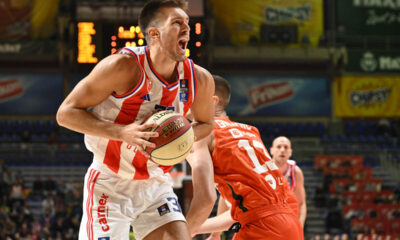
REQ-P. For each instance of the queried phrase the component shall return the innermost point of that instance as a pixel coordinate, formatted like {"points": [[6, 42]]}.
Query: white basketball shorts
{"points": [[112, 204]]}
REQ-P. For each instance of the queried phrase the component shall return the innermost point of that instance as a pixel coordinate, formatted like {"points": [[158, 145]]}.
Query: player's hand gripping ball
{"points": [[175, 138]]}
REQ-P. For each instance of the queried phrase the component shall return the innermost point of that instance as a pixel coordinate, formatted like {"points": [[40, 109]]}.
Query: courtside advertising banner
{"points": [[368, 17], [367, 96], [30, 93], [373, 61], [279, 96], [241, 21]]}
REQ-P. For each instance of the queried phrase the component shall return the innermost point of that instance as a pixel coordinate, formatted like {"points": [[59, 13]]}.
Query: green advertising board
{"points": [[368, 17], [373, 61]]}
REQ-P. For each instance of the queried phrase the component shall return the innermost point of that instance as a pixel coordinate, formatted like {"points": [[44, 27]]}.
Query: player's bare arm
{"points": [[219, 223], [203, 106], [204, 195], [300, 193], [223, 206], [114, 74]]}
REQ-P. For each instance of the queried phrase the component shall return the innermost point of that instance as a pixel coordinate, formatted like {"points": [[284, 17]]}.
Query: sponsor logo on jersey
{"points": [[10, 89], [103, 238], [163, 209], [145, 97], [102, 213]]}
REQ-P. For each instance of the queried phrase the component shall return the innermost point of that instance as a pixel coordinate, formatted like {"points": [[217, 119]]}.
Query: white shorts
{"points": [[112, 204]]}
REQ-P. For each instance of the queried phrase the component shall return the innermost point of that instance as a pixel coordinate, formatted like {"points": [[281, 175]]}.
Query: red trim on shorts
{"points": [[89, 202]]}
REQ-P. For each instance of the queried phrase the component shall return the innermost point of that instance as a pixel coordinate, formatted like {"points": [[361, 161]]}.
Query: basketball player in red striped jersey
{"points": [[281, 151], [245, 176], [123, 187]]}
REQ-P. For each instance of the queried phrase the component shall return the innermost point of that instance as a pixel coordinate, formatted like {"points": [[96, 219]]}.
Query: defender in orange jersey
{"points": [[245, 176]]}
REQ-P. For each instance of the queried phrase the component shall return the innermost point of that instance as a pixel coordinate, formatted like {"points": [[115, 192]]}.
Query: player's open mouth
{"points": [[182, 44]]}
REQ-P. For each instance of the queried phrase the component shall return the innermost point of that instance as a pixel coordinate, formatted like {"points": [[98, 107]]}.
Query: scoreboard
{"points": [[96, 40]]}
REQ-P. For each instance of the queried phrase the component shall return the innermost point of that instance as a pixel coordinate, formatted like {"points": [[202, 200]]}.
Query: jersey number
{"points": [[258, 167]]}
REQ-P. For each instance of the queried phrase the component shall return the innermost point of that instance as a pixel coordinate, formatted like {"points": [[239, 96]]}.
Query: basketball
{"points": [[175, 138]]}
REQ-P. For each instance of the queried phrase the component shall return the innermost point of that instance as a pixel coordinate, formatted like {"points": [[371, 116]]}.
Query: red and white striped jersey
{"points": [[290, 174], [152, 93]]}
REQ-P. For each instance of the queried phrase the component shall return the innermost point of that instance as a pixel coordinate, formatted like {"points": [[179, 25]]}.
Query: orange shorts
{"points": [[282, 226]]}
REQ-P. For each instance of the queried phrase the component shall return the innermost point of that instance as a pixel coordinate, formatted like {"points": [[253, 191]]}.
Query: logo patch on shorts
{"points": [[103, 238], [163, 209]]}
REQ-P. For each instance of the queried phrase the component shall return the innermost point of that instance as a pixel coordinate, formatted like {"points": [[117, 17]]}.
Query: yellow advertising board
{"points": [[243, 19], [367, 96]]}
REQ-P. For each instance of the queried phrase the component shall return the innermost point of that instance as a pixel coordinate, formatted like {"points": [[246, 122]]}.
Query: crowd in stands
{"points": [[358, 205], [57, 217], [355, 204]]}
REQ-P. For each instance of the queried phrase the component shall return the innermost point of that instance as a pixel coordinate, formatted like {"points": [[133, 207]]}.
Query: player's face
{"points": [[281, 150], [174, 33]]}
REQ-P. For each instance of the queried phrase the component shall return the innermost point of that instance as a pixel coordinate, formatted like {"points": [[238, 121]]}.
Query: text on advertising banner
{"points": [[279, 96], [367, 96]]}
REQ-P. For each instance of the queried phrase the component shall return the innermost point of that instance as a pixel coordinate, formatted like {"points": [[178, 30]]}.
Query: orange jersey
{"points": [[244, 172]]}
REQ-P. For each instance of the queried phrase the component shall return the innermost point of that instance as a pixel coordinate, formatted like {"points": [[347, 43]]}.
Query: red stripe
{"points": [[141, 60], [140, 164], [188, 75], [89, 204], [166, 168], [168, 96], [127, 115]]}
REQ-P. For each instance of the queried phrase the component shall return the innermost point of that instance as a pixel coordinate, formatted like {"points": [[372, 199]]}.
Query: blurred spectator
{"points": [[8, 227], [344, 236], [2, 168], [327, 236], [48, 205], [44, 234], [8, 176], [69, 186], [17, 192], [336, 237], [384, 127], [57, 228], [316, 237], [59, 204], [334, 221], [24, 231], [50, 186], [26, 136], [38, 186], [320, 196]]}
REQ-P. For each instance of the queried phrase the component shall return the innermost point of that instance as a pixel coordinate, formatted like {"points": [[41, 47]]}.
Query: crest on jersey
{"points": [[183, 90], [149, 85]]}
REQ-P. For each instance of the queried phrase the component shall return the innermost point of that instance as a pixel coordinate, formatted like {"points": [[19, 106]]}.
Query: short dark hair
{"points": [[222, 90], [152, 8]]}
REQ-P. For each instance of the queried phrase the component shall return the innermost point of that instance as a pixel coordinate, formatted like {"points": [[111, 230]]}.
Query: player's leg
{"points": [[102, 218], [171, 230]]}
